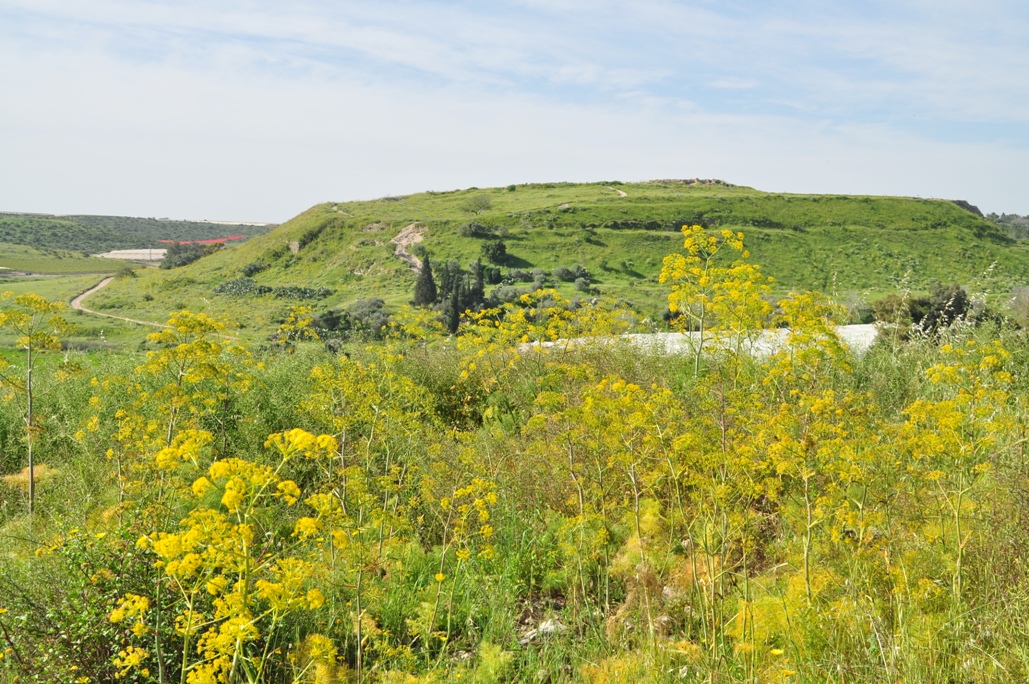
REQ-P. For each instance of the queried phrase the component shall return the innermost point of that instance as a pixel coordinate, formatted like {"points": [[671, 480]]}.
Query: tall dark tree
{"points": [[454, 308], [448, 277], [425, 286], [477, 292]]}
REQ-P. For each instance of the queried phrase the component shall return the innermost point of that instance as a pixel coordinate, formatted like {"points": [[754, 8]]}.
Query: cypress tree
{"points": [[454, 309], [425, 286], [477, 294]]}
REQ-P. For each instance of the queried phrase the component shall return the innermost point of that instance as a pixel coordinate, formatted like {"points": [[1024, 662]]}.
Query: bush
{"points": [[182, 254], [582, 284], [568, 275], [241, 287], [476, 230], [297, 292], [369, 316], [518, 275], [495, 251], [253, 268], [492, 275], [944, 305]]}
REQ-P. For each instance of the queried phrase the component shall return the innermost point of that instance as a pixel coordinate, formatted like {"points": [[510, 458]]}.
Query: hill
{"points": [[95, 234], [336, 253]]}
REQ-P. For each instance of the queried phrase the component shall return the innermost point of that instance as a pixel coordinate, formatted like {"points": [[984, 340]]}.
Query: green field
{"points": [[26, 259], [858, 247]]}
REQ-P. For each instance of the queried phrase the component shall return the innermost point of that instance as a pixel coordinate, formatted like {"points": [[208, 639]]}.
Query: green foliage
{"points": [[478, 203], [531, 500], [494, 251], [182, 254], [95, 234], [425, 292], [253, 268]]}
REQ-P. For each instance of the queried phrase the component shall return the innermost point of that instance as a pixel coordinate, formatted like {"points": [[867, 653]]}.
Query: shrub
{"points": [[182, 254], [241, 287], [476, 230], [495, 251], [568, 275], [492, 275], [518, 275], [253, 268], [297, 292], [582, 284]]}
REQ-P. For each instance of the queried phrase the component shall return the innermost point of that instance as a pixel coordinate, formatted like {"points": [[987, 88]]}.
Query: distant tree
{"points": [[425, 286], [495, 251], [944, 305], [478, 203]]}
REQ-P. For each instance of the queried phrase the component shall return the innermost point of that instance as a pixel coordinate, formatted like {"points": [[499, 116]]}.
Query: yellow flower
{"points": [[306, 527], [201, 486], [289, 491], [315, 599]]}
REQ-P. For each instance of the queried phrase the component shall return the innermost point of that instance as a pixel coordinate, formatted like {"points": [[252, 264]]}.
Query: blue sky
{"points": [[254, 110]]}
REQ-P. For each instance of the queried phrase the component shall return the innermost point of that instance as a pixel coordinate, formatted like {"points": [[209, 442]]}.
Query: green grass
{"points": [[23, 258], [856, 246], [89, 330]]}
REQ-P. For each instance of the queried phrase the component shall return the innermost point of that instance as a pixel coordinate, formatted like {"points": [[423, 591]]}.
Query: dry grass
{"points": [[20, 480]]}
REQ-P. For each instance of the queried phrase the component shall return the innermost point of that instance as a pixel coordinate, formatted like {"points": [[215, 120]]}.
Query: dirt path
{"points": [[621, 193], [404, 239], [77, 305]]}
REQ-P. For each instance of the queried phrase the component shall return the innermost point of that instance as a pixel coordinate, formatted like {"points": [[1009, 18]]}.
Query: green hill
{"points": [[96, 234], [342, 252]]}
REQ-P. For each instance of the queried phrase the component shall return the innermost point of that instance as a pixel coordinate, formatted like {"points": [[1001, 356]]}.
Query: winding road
{"points": [[77, 305]]}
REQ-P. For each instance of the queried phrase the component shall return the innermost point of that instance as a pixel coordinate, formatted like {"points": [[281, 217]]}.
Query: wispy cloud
{"points": [[256, 90]]}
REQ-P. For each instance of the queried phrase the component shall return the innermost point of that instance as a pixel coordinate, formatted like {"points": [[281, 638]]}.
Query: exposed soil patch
{"points": [[404, 239]]}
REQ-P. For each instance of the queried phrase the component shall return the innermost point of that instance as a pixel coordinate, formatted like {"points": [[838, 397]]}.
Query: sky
{"points": [[254, 110]]}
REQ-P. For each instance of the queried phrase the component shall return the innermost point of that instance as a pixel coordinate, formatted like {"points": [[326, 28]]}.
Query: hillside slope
{"points": [[97, 234], [619, 232]]}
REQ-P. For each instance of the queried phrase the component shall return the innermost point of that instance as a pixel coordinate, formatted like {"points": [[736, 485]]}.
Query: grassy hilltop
{"points": [[619, 232]]}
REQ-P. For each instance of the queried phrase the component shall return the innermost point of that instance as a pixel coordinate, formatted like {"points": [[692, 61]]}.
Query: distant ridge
{"points": [[94, 233]]}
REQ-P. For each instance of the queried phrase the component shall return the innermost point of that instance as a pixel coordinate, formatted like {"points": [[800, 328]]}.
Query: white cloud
{"points": [[254, 111]]}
